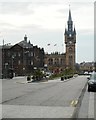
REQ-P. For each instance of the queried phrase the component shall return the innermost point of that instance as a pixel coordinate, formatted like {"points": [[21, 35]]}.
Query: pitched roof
{"points": [[25, 44]]}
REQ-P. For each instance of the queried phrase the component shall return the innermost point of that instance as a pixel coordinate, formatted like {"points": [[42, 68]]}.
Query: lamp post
{"points": [[12, 61], [25, 64], [45, 67], [6, 70], [23, 70]]}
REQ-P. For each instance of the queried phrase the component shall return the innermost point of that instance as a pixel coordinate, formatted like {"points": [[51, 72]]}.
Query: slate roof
{"points": [[25, 44]]}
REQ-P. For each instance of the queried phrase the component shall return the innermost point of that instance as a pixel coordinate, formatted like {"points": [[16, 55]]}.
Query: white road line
{"points": [[91, 105]]}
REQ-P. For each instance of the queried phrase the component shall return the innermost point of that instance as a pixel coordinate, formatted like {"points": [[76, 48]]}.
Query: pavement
{"points": [[87, 109], [23, 80], [91, 106], [11, 111]]}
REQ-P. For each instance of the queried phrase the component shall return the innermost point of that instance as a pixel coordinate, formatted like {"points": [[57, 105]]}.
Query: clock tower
{"points": [[70, 41]]}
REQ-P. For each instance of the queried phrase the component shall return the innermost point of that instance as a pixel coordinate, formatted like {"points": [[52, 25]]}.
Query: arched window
{"points": [[70, 60], [50, 61], [56, 61]]}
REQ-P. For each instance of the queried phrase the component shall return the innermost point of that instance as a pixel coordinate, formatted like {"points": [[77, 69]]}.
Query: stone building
{"points": [[22, 58], [87, 66], [55, 62], [68, 59], [70, 41]]}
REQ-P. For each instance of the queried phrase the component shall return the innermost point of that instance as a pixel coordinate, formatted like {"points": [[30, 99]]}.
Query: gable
{"points": [[16, 47]]}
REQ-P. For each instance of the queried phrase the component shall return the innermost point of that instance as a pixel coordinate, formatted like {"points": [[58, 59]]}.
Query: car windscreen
{"points": [[93, 77]]}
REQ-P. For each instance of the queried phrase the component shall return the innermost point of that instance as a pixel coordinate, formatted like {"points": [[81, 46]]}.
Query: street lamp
{"points": [[45, 67], [12, 61], [6, 69], [23, 70]]}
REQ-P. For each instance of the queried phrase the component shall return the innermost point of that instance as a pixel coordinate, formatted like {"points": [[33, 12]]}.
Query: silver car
{"points": [[92, 82]]}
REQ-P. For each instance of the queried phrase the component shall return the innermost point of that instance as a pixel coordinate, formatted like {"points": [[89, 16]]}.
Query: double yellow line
{"points": [[74, 103]]}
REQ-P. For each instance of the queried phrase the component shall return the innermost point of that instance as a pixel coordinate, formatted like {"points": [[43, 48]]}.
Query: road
{"points": [[50, 99]]}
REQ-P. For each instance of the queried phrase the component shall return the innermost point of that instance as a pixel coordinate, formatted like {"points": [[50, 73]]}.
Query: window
{"points": [[19, 54], [31, 62], [8, 54], [31, 53], [14, 54], [19, 62], [70, 60], [50, 61], [70, 49], [61, 61]]}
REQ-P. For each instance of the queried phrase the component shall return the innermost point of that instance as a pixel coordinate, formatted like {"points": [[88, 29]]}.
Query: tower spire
{"points": [[70, 22], [70, 41], [69, 18]]}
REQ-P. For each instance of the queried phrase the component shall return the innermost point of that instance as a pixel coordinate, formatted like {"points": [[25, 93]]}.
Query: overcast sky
{"points": [[44, 22]]}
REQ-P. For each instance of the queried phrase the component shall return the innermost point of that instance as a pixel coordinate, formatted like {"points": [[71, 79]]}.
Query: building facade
{"points": [[22, 58], [68, 59], [70, 41], [87, 66], [55, 62]]}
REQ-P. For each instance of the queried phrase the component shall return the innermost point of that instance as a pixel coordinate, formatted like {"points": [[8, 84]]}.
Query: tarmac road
{"points": [[52, 99]]}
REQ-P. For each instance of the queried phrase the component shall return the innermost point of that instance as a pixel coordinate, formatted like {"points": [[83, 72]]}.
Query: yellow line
{"points": [[74, 103]]}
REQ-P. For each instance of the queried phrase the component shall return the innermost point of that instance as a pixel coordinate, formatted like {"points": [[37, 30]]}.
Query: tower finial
{"points": [[70, 18], [69, 6]]}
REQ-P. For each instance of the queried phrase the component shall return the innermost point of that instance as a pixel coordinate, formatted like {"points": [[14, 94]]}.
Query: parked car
{"points": [[92, 82]]}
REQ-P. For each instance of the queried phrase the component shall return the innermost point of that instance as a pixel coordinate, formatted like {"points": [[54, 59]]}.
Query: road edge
{"points": [[76, 111]]}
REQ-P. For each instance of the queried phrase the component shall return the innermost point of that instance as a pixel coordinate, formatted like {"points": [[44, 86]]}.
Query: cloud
{"points": [[44, 22], [16, 8], [42, 15], [49, 1], [49, 16]]}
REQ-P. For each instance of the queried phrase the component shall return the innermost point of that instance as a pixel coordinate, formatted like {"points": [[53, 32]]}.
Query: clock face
{"points": [[70, 35], [70, 42]]}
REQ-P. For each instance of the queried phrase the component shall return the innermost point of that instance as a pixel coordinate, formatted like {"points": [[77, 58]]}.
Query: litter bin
{"points": [[62, 78]]}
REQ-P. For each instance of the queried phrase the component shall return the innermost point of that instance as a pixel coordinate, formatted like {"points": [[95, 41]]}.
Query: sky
{"points": [[44, 22]]}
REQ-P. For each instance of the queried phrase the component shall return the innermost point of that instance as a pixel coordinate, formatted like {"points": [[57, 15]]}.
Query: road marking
{"points": [[74, 103], [22, 82]]}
